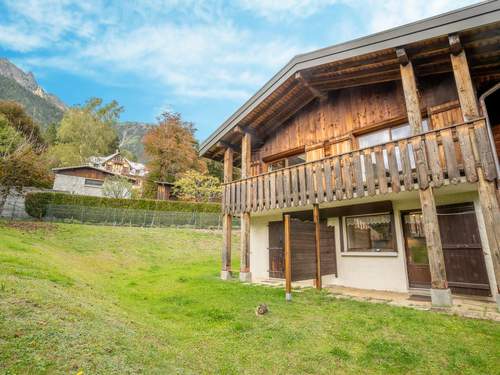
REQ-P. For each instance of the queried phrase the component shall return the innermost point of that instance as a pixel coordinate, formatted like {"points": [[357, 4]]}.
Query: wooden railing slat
{"points": [[433, 159], [328, 181], [339, 194], [380, 168], [272, 192], [302, 185], [450, 156], [287, 196], [404, 154], [420, 162], [319, 182], [347, 175], [260, 192], [295, 187], [484, 149], [393, 168], [358, 175], [463, 134], [267, 195], [279, 188], [310, 184], [369, 172]]}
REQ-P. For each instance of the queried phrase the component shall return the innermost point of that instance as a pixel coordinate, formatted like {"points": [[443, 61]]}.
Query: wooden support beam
{"points": [[465, 89], [486, 189], [402, 56], [226, 145], [256, 139], [455, 44], [227, 220], [288, 258], [246, 159], [440, 293], [411, 97], [318, 247], [303, 77], [433, 240]]}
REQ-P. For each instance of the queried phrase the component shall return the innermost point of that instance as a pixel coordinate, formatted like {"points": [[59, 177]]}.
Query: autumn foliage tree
{"points": [[22, 157], [171, 149]]}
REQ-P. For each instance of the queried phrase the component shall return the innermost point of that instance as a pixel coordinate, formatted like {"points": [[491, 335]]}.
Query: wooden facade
{"points": [[395, 120]]}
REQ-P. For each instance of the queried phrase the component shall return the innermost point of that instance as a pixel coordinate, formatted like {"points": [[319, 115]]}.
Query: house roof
{"points": [[85, 166], [470, 17]]}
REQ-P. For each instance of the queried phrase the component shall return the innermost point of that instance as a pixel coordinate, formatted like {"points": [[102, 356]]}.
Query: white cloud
{"points": [[195, 48]]}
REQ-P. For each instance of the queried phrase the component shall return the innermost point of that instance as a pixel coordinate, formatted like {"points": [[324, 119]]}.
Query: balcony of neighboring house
{"points": [[387, 161]]}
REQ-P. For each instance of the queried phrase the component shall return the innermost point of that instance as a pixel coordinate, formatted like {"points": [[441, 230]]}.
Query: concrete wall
{"points": [[379, 271], [75, 185]]}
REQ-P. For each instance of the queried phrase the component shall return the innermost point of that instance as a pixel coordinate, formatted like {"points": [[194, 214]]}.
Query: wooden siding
{"points": [[448, 155], [327, 127]]}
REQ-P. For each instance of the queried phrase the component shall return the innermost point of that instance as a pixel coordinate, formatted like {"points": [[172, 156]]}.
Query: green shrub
{"points": [[37, 203]]}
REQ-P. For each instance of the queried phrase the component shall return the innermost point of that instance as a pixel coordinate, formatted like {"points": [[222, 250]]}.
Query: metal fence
{"points": [[134, 217]]}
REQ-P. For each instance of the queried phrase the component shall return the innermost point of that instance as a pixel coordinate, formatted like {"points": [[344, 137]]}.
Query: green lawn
{"points": [[111, 300]]}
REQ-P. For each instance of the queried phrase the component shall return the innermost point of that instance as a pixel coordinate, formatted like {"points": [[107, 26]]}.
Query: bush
{"points": [[37, 203]]}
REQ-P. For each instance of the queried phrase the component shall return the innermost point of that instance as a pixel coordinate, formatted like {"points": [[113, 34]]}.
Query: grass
{"points": [[106, 300]]}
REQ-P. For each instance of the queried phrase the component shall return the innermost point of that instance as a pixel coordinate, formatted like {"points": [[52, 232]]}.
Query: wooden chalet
{"points": [[374, 163]]}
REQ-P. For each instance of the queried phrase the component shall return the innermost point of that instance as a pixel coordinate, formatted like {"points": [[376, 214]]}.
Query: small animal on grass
{"points": [[261, 309]]}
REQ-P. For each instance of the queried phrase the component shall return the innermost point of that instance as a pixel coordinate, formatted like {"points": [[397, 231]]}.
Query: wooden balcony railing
{"points": [[446, 156]]}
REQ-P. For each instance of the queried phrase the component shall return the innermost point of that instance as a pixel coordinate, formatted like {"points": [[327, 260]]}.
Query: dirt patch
{"points": [[30, 226]]}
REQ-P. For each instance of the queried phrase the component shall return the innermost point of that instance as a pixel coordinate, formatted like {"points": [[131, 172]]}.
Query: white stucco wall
{"points": [[75, 185], [375, 271]]}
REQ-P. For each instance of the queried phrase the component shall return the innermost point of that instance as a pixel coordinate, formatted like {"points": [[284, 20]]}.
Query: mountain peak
{"points": [[28, 81]]}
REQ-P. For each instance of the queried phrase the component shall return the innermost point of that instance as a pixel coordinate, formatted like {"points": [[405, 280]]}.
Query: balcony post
{"points": [[318, 246], [227, 220], [440, 293], [246, 158], [486, 189]]}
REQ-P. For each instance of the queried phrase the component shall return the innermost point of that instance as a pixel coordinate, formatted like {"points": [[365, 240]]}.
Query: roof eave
{"points": [[443, 24]]}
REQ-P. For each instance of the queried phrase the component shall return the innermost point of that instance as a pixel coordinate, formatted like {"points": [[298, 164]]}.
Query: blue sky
{"points": [[200, 58]]}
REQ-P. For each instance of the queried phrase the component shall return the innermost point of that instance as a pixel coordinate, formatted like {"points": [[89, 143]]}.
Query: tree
{"points": [[117, 187], [86, 131], [171, 149], [50, 134], [196, 186], [16, 116], [22, 161]]}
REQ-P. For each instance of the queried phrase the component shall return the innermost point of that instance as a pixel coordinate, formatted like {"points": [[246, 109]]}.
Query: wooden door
{"points": [[276, 251], [463, 254]]}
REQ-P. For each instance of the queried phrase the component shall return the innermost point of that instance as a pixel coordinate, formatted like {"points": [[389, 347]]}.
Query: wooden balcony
{"points": [[449, 155]]}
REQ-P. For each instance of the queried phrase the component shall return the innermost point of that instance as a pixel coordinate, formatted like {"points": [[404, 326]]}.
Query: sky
{"points": [[203, 59]]}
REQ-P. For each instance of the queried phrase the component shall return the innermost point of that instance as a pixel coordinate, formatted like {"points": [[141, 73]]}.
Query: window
{"points": [[382, 136], [370, 233], [90, 182], [287, 162]]}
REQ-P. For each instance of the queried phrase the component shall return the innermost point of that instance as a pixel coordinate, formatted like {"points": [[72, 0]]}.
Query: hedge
{"points": [[36, 203]]}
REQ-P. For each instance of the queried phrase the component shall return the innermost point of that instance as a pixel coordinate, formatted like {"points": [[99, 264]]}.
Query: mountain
{"points": [[131, 134], [22, 87]]}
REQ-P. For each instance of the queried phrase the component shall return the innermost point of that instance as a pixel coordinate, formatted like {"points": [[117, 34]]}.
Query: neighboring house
{"points": [[164, 190], [371, 164], [82, 179], [119, 164]]}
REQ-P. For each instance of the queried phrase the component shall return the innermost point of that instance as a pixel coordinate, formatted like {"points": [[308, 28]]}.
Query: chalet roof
{"points": [[84, 166], [428, 35]]}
